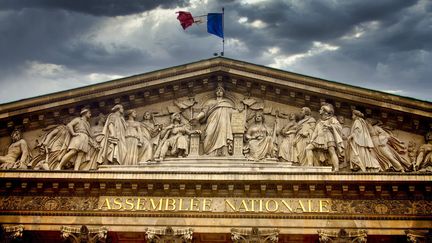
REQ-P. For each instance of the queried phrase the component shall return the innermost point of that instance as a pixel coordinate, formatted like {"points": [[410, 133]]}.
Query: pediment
{"points": [[202, 76], [186, 89]]}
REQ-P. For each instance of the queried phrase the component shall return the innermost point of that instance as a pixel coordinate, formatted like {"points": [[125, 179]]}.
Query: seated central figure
{"points": [[175, 139]]}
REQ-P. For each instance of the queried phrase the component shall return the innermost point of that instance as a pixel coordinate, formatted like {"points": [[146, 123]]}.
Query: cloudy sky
{"points": [[53, 45]]}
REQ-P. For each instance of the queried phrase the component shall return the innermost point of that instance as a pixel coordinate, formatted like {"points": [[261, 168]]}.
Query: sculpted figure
{"points": [[97, 131], [53, 146], [175, 139], [286, 149], [360, 146], [387, 148], [18, 154], [424, 157], [218, 135], [412, 153], [133, 138], [150, 132], [305, 128], [326, 139], [80, 142], [113, 145], [259, 143], [346, 131]]}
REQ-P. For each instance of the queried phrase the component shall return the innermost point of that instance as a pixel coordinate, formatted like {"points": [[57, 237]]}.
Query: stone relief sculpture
{"points": [[113, 145], [326, 142], [52, 147], [366, 146], [286, 150], [346, 131], [186, 105], [412, 153], [360, 146], [18, 154], [150, 133], [80, 142], [174, 139], [387, 148], [218, 136], [424, 157], [133, 137], [305, 128], [98, 136], [259, 141]]}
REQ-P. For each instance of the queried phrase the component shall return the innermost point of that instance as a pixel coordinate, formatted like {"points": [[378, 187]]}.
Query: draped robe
{"points": [[218, 127]]}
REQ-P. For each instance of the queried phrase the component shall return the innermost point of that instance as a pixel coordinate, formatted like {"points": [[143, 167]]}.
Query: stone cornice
{"points": [[215, 176], [159, 183]]}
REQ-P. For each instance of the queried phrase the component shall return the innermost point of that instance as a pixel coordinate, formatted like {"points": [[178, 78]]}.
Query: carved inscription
{"points": [[238, 122]]}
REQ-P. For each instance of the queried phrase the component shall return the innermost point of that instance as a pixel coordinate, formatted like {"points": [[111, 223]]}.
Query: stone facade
{"points": [[214, 146]]}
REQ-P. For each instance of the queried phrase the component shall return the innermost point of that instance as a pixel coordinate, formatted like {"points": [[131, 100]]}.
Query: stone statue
{"points": [[53, 146], [305, 128], [97, 138], [359, 151], [218, 136], [286, 149], [258, 137], [133, 138], [150, 135], [175, 139], [326, 139], [388, 148], [80, 142], [346, 131], [424, 157], [18, 154], [412, 153], [113, 146]]}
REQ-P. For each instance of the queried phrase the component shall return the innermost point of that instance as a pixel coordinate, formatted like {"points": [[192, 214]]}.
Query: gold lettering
{"points": [[243, 206], [287, 205], [130, 202], [252, 204], [301, 206], [194, 204], [323, 206], [180, 208], [230, 205], [275, 203], [206, 207], [139, 204], [212, 204], [310, 203], [156, 206], [170, 204], [118, 201], [108, 205]]}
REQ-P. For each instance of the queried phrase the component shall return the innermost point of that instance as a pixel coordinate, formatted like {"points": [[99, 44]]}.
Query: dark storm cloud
{"points": [[37, 34], [93, 7], [57, 37], [391, 53], [295, 26]]}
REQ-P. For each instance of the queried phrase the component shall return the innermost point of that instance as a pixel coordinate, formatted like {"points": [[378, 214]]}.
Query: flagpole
{"points": [[223, 39]]}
